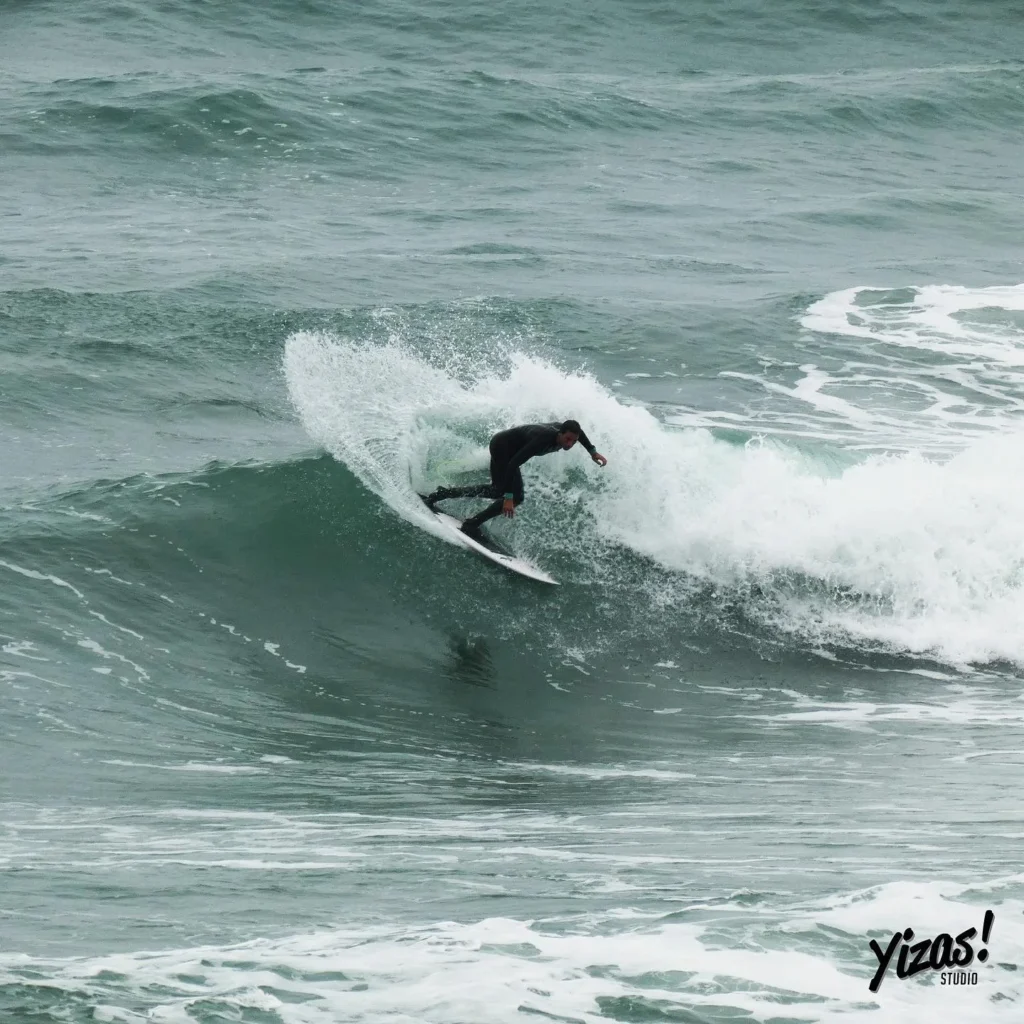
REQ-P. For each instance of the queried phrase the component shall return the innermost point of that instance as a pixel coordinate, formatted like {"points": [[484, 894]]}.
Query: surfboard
{"points": [[492, 552]]}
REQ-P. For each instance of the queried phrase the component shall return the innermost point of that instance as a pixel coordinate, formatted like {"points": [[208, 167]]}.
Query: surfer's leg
{"points": [[499, 460], [472, 526], [470, 491]]}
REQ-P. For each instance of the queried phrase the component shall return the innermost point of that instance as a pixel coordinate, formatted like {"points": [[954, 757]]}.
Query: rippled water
{"points": [[273, 751]]}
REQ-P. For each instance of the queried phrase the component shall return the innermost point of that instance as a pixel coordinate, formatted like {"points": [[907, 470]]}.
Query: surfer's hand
{"points": [[599, 459], [509, 508]]}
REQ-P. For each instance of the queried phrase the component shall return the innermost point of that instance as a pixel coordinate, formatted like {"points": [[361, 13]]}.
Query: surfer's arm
{"points": [[592, 451]]}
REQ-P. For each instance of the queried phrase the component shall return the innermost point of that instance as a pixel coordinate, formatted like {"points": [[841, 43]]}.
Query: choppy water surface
{"points": [[273, 752]]}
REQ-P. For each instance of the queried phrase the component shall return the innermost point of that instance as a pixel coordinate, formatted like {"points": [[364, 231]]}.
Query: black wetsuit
{"points": [[509, 450]]}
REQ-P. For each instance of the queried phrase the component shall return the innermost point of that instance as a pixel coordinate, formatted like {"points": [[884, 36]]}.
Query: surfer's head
{"points": [[568, 434]]}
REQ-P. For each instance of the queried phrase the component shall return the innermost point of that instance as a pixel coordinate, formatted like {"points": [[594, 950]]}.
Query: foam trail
{"points": [[982, 323], [927, 369]]}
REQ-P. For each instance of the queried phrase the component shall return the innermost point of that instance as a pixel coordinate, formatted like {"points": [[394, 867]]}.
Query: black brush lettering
{"points": [[901, 963], [941, 954], [920, 963], [883, 959], [986, 931], [967, 956]]}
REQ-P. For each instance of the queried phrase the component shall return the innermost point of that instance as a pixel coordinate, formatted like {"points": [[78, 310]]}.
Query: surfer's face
{"points": [[568, 439]]}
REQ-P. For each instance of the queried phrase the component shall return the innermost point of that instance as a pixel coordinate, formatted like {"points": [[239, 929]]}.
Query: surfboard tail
{"points": [[492, 551]]}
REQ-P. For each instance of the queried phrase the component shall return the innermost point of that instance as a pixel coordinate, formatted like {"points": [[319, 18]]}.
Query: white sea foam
{"points": [[762, 953], [948, 319], [946, 710], [937, 364], [20, 648], [191, 766], [603, 773], [811, 962], [47, 577], [924, 369], [96, 648]]}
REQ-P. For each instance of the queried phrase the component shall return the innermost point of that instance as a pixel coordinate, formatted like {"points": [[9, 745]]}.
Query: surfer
{"points": [[509, 450]]}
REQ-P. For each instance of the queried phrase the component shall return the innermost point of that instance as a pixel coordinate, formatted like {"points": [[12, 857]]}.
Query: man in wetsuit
{"points": [[509, 450]]}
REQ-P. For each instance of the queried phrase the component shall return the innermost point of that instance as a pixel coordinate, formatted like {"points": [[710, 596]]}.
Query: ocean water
{"points": [[273, 751]]}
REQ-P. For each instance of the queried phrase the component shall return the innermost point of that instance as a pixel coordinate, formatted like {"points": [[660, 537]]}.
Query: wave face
{"points": [[273, 751]]}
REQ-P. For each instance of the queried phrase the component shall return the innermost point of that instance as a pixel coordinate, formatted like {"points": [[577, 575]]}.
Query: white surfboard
{"points": [[451, 525]]}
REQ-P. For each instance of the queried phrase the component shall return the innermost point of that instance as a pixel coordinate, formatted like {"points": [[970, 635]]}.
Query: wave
{"points": [[149, 114], [335, 120], [898, 552], [690, 535]]}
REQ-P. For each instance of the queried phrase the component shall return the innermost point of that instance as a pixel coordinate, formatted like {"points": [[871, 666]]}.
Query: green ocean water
{"points": [[274, 752]]}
